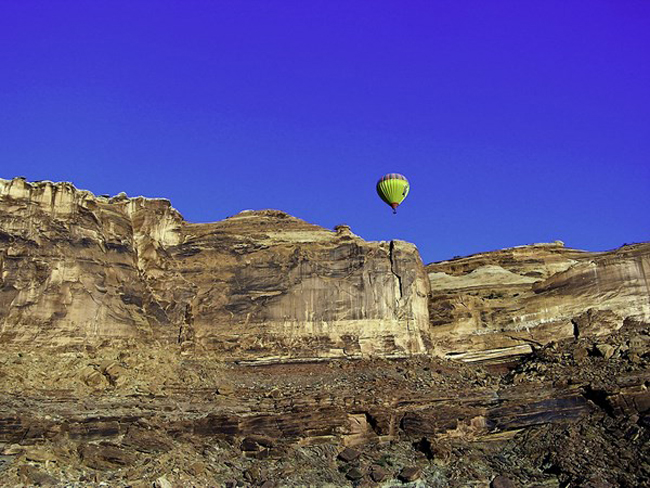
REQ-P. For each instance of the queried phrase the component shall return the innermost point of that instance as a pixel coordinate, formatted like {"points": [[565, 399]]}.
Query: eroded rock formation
{"points": [[141, 350], [504, 303], [79, 269]]}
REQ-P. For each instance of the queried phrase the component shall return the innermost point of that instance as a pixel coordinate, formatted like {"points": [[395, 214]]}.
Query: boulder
{"points": [[410, 473], [501, 481], [348, 455], [378, 473], [605, 350], [162, 482], [93, 378], [354, 474]]}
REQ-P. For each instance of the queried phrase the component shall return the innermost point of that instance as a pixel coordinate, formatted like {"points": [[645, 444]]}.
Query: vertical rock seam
{"points": [[393, 265]]}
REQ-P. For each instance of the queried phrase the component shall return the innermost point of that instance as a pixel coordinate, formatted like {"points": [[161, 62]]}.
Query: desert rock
{"points": [[505, 303], [79, 269], [140, 349]]}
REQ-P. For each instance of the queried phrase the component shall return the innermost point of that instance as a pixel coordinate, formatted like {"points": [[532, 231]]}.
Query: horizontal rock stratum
{"points": [[503, 303]]}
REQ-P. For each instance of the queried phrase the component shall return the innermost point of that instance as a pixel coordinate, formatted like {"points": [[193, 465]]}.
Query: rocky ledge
{"points": [[574, 413], [503, 304]]}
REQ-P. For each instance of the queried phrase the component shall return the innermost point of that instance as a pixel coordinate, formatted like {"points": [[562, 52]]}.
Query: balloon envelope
{"points": [[393, 189]]}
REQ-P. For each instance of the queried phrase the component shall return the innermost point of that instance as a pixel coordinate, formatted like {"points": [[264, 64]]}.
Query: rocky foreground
{"points": [[142, 350], [573, 413]]}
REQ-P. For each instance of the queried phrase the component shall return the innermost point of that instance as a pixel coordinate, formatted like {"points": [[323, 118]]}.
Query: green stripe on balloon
{"points": [[393, 189]]}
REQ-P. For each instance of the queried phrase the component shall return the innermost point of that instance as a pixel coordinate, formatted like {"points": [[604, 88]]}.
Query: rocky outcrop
{"points": [[142, 350], [77, 269], [199, 420], [496, 305]]}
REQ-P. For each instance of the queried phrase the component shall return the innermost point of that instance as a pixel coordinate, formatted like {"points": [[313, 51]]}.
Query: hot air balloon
{"points": [[393, 189]]}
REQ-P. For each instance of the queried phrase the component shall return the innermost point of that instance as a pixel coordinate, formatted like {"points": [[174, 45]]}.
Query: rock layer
{"points": [[129, 417], [77, 269], [505, 303]]}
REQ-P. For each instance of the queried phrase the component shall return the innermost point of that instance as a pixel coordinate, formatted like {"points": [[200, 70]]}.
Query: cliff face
{"points": [[504, 303], [142, 350], [79, 269]]}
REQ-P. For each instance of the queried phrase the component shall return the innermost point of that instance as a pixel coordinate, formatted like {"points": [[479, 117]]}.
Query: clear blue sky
{"points": [[515, 121]]}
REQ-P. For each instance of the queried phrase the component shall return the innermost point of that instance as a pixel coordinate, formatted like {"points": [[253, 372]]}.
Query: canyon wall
{"points": [[496, 305], [142, 350], [81, 269]]}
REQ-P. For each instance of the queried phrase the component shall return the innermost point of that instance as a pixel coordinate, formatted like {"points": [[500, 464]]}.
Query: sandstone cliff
{"points": [[78, 269], [503, 303]]}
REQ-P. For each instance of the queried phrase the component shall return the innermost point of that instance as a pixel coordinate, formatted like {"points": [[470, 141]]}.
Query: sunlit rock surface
{"points": [[504, 303], [80, 269], [262, 285]]}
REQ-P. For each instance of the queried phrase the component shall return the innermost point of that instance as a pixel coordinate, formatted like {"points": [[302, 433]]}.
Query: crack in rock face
{"points": [[393, 268]]}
